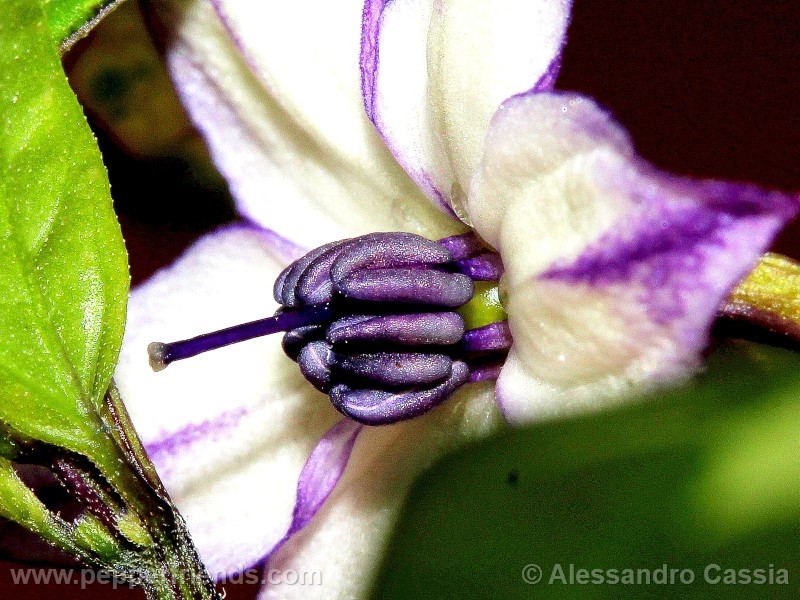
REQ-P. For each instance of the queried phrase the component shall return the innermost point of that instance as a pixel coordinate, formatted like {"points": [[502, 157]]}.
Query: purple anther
{"points": [[294, 340], [315, 361], [485, 372], [442, 328], [381, 407], [285, 286], [314, 286], [412, 286], [490, 338], [484, 267], [380, 251], [463, 246], [407, 369]]}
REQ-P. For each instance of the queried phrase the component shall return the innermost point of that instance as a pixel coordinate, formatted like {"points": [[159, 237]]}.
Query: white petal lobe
{"points": [[434, 73], [614, 271], [344, 540], [286, 126], [230, 430]]}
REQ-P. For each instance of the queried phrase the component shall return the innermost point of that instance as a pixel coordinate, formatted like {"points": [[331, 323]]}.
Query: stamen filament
{"points": [[162, 354]]}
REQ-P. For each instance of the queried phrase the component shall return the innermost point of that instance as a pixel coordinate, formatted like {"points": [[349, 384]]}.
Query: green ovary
{"points": [[484, 308]]}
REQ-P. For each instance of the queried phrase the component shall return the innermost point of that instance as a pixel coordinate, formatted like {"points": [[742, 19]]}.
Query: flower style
{"points": [[333, 120]]}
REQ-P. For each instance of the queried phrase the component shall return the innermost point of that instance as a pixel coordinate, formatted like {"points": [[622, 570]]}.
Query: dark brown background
{"points": [[706, 87]]}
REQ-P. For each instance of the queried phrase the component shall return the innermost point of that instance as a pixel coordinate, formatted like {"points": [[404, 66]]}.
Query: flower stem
{"points": [[174, 569], [768, 298], [178, 575]]}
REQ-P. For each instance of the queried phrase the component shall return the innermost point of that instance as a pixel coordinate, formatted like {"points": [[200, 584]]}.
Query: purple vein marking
{"points": [[177, 442]]}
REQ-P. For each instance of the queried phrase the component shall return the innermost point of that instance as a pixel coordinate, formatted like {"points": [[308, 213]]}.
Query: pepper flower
{"points": [[335, 120]]}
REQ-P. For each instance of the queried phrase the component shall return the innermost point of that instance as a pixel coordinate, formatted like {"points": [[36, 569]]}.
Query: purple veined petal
{"points": [[433, 74], [322, 471], [282, 247], [168, 451], [473, 74], [343, 540], [548, 79], [296, 51], [539, 172], [223, 427], [274, 136], [638, 260], [405, 124], [319, 476]]}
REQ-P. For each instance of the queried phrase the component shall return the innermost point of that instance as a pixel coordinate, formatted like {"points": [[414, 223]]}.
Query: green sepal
{"points": [[91, 534], [19, 504]]}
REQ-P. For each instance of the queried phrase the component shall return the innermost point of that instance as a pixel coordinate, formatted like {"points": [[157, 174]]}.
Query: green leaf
{"points": [[64, 281], [63, 293], [70, 20], [703, 476]]}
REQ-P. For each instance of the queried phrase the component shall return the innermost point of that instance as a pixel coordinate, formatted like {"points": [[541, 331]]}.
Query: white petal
{"points": [[228, 431], [344, 541], [434, 73], [395, 87], [277, 96], [614, 270], [534, 197]]}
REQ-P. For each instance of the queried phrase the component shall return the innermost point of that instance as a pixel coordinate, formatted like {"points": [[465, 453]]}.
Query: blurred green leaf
{"points": [[705, 475], [69, 20], [64, 281]]}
